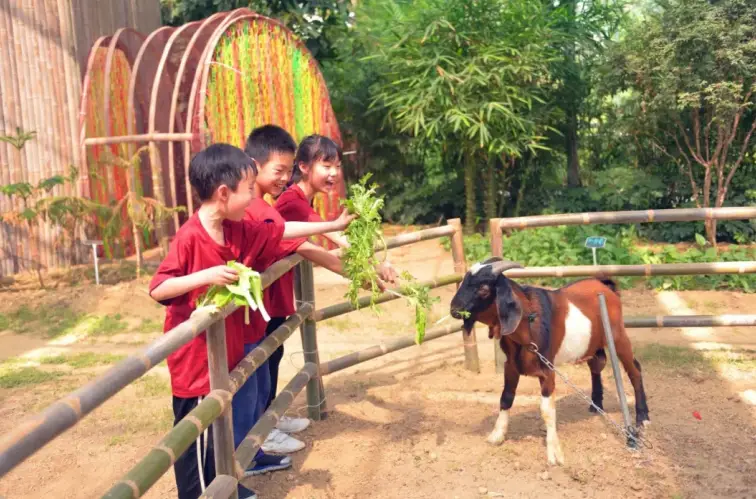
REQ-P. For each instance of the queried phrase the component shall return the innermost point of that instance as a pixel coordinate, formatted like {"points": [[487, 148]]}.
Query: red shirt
{"points": [[293, 207], [193, 250], [278, 302]]}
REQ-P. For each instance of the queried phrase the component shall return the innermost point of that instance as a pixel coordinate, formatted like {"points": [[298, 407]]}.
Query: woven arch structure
{"points": [[177, 90]]}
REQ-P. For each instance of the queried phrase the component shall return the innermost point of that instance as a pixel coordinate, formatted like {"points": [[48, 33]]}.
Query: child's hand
{"points": [[344, 219], [387, 272], [221, 275]]}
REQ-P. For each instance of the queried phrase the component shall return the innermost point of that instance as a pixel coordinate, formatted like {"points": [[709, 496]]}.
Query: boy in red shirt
{"points": [[273, 150], [222, 177]]}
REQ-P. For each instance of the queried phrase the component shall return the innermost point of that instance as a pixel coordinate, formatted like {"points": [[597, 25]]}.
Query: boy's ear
{"points": [[255, 167], [223, 192]]}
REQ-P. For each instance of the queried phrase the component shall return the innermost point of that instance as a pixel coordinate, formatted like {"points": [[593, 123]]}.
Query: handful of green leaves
{"points": [[360, 260], [246, 292]]}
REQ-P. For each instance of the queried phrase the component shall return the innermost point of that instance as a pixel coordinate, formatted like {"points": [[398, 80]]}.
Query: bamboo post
{"points": [[691, 321], [222, 487], [223, 428], [315, 392], [496, 250], [470, 342], [616, 369]]}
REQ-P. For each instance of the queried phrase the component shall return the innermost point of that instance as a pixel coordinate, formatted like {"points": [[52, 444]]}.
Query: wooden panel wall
{"points": [[44, 45]]}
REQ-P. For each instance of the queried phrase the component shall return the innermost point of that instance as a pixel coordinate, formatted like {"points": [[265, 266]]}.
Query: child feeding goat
{"points": [[564, 325]]}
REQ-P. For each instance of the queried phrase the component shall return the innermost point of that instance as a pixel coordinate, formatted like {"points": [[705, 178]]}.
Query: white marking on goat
{"points": [[477, 267], [553, 447], [577, 336], [500, 428]]}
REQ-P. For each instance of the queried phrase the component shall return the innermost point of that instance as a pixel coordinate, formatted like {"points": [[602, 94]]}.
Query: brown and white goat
{"points": [[565, 325]]}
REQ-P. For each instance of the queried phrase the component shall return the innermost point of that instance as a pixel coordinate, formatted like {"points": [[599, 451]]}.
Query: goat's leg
{"points": [[633, 370], [597, 364], [511, 379], [548, 413]]}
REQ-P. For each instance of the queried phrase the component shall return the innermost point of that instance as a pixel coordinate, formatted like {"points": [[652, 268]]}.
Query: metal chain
{"points": [[623, 431]]}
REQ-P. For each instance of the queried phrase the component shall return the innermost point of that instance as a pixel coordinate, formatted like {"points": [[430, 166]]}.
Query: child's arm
{"points": [[178, 286], [296, 230], [320, 256], [328, 260]]}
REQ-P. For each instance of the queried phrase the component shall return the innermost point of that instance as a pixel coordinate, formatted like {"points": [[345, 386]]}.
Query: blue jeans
{"points": [[249, 403]]}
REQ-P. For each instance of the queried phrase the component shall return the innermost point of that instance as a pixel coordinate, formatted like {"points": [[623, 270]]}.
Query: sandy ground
{"points": [[413, 424]]}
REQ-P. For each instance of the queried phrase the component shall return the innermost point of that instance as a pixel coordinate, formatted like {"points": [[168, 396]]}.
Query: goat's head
{"points": [[486, 295]]}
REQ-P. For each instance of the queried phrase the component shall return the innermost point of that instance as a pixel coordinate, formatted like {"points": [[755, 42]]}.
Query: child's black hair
{"points": [[311, 149], [267, 140], [216, 165]]}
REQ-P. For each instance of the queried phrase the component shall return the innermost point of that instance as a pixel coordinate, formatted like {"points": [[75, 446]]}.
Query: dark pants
{"points": [[199, 456], [275, 359]]}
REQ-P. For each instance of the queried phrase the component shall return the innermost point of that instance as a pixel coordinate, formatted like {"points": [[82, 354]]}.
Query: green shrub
{"points": [[555, 246]]}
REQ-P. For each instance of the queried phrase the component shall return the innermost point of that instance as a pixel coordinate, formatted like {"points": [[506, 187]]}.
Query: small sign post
{"points": [[595, 242], [94, 244]]}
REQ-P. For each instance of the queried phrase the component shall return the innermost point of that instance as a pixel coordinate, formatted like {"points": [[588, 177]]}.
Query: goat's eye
{"points": [[484, 291]]}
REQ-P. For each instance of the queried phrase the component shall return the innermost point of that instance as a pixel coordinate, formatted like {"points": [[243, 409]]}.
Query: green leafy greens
{"points": [[246, 292], [360, 260]]}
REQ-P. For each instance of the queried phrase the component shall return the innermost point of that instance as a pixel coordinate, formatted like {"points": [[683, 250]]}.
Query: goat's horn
{"points": [[504, 265]]}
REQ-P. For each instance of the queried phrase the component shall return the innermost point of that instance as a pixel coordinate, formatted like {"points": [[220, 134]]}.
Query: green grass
{"points": [[686, 359], [107, 325], [148, 326], [52, 321], [153, 386], [25, 376], [83, 359]]}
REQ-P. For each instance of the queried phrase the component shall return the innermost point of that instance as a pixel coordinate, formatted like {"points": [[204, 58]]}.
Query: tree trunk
{"points": [[491, 188], [571, 149], [470, 202]]}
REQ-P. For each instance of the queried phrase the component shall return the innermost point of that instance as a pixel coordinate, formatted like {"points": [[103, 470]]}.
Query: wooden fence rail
{"points": [[625, 217]]}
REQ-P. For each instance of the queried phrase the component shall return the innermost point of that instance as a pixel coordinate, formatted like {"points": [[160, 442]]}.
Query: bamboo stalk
{"points": [[496, 251], [310, 342], [222, 487], [248, 448], [733, 320], [138, 138], [223, 426], [265, 349], [416, 237], [33, 433], [469, 341], [381, 349], [625, 217], [635, 270], [345, 307], [160, 459], [149, 470]]}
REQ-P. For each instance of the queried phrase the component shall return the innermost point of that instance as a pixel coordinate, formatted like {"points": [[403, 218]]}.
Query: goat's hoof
{"points": [[594, 410], [495, 438], [556, 458]]}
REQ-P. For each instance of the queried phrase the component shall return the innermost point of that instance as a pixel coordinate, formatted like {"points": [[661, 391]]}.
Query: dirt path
{"points": [[413, 424]]}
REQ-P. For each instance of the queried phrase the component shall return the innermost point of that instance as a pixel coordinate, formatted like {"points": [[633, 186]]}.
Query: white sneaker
{"points": [[292, 425], [279, 442]]}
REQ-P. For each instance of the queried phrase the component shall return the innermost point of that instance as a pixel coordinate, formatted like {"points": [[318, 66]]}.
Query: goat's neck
{"points": [[522, 335]]}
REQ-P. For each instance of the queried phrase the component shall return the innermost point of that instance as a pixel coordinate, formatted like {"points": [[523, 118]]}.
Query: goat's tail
{"points": [[609, 283]]}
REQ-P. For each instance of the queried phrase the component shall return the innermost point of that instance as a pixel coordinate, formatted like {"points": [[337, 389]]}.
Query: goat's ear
{"points": [[508, 306]]}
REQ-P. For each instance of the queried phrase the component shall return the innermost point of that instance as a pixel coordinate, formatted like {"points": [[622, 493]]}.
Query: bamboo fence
{"points": [[32, 434]]}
